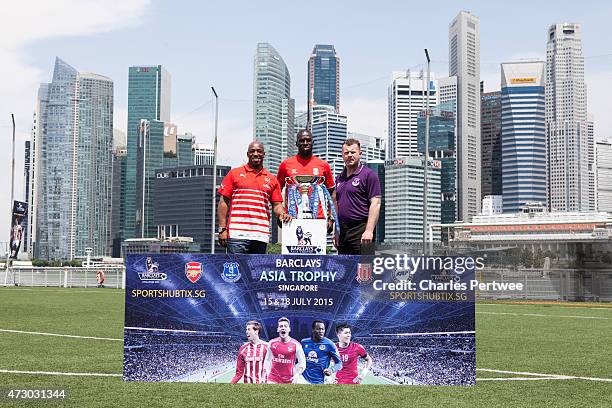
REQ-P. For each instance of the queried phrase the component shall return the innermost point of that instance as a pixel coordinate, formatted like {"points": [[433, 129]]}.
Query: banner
{"points": [[20, 210], [300, 319]]}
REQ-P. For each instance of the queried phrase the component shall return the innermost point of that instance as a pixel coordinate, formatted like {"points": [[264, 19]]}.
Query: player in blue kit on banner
{"points": [[320, 351]]}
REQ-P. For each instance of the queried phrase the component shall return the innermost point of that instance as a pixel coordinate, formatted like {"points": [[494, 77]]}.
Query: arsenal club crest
{"points": [[193, 271]]}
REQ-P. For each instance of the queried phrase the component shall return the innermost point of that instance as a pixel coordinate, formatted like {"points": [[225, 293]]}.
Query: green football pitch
{"points": [[528, 354]]}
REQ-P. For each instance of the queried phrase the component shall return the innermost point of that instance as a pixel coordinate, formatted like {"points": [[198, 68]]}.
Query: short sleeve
{"points": [[280, 176], [227, 185], [373, 185], [276, 196], [329, 176], [361, 351]]}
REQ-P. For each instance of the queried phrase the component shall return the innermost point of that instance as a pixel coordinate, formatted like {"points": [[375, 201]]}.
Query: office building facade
{"points": [[571, 166], [523, 133], [604, 175], [328, 133], [273, 108], [442, 149], [407, 95], [324, 77], [149, 90], [491, 150], [74, 165], [403, 196], [183, 203], [464, 63]]}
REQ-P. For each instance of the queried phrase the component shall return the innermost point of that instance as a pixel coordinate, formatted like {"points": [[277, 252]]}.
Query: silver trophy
{"points": [[305, 186]]}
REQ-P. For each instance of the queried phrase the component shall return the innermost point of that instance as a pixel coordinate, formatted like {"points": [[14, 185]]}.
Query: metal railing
{"points": [[66, 277], [549, 284]]}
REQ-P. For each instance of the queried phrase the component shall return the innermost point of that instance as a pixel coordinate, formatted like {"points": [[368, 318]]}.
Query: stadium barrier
{"points": [[549, 284], [66, 277]]}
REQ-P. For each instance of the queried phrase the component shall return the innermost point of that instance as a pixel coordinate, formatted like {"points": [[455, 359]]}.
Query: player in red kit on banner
{"points": [[283, 352], [350, 353], [251, 357]]}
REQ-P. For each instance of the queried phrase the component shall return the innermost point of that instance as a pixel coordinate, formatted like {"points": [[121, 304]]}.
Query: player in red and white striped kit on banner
{"points": [[349, 354], [251, 357], [283, 352]]}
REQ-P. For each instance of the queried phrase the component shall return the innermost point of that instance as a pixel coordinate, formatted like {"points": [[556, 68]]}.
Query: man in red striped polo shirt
{"points": [[251, 357], [246, 193]]}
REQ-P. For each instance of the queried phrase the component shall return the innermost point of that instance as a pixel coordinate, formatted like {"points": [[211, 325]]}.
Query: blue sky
{"points": [[203, 44]]}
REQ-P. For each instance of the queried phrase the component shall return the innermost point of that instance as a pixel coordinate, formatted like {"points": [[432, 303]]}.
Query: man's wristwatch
{"points": [[221, 230]]}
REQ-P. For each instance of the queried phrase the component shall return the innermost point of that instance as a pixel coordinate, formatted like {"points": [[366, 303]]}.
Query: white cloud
{"points": [[40, 19], [24, 23]]}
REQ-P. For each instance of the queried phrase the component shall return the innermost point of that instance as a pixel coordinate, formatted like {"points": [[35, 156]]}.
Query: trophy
{"points": [[308, 202], [304, 196]]}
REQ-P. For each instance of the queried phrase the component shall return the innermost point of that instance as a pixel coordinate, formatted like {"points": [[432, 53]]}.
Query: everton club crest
{"points": [[193, 271], [231, 272]]}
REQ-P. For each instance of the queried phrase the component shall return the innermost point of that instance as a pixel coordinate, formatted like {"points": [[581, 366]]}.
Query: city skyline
{"points": [[363, 87]]}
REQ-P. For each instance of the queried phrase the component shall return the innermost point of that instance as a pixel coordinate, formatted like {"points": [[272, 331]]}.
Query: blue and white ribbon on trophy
{"points": [[318, 196]]}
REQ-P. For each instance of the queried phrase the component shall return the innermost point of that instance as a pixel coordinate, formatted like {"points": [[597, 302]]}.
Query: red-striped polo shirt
{"points": [[250, 193]]}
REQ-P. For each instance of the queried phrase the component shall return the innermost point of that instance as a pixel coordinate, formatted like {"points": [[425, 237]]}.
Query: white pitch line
{"points": [[522, 379], [58, 335], [566, 306], [60, 373], [552, 376], [545, 315]]}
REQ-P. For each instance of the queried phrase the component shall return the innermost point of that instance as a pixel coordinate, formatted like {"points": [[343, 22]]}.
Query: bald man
{"points": [[246, 193]]}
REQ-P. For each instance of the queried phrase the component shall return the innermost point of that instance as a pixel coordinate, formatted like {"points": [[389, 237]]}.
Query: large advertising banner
{"points": [[20, 211], [300, 319]]}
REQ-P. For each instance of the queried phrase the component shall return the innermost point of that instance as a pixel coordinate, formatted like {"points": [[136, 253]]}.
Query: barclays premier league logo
{"points": [[304, 243], [231, 272], [193, 271], [152, 274]]}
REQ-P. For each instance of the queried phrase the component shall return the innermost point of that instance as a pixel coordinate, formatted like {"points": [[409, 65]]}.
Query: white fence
{"points": [[554, 284], [65, 277]]}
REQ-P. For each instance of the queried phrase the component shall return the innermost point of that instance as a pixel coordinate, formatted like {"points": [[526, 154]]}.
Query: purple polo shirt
{"points": [[354, 193]]}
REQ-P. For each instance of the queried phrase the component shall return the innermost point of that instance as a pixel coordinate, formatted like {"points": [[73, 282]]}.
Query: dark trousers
{"points": [[246, 246], [349, 242]]}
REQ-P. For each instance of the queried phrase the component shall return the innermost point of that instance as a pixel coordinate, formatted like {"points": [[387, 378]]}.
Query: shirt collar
{"points": [[252, 170]]}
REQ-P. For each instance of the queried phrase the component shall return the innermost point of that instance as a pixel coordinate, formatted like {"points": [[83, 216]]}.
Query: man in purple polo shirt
{"points": [[358, 194]]}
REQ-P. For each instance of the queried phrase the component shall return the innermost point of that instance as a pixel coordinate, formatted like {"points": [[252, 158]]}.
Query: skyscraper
{"points": [[119, 156], [404, 200], [42, 100], [159, 147], [407, 98], [328, 134], [324, 77], [604, 175], [491, 150], [149, 99], [464, 63], [571, 166], [26, 177], [442, 149], [523, 134], [273, 108], [73, 159]]}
